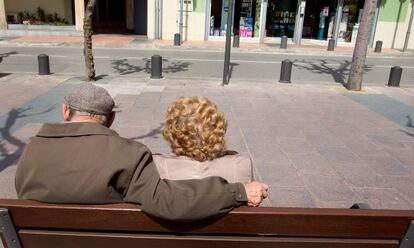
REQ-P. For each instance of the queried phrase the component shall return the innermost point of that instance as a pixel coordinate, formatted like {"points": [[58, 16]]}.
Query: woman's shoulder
{"points": [[238, 167], [235, 157]]}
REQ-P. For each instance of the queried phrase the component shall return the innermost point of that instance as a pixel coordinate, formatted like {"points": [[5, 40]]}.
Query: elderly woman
{"points": [[195, 130]]}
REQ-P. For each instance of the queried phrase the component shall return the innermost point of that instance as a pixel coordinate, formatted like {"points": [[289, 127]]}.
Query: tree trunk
{"points": [[87, 33], [361, 46]]}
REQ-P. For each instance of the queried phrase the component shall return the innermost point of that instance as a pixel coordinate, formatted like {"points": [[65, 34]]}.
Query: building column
{"points": [[130, 14], [79, 14], [3, 19]]}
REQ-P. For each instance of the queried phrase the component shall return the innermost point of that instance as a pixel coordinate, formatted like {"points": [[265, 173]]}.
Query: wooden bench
{"points": [[31, 224]]}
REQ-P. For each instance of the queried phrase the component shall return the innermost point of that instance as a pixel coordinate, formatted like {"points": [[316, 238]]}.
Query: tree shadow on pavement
{"points": [[8, 157], [123, 67], [5, 55], [339, 74], [154, 133]]}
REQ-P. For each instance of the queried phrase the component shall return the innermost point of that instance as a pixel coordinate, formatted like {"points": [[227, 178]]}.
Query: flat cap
{"points": [[87, 97]]}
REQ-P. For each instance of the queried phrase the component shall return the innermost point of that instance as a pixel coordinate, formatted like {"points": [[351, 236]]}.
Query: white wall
{"points": [[170, 19], [50, 7], [386, 30], [151, 19]]}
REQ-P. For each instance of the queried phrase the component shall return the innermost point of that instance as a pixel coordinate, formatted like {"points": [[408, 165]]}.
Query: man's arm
{"points": [[184, 200]]}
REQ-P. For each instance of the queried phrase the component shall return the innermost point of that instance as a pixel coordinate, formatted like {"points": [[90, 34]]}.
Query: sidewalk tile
{"points": [[338, 154], [312, 163], [327, 189], [290, 197], [359, 175], [279, 174], [383, 198]]}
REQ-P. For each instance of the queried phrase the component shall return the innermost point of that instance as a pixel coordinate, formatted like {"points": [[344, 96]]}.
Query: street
{"points": [[198, 64]]}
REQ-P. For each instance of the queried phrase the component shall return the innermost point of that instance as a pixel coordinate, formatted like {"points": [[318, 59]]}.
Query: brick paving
{"points": [[315, 145]]}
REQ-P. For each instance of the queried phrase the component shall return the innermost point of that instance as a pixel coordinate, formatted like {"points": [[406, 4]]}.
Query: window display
{"points": [[280, 18]]}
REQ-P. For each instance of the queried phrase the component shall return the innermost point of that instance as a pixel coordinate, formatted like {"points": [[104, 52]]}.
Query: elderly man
{"points": [[83, 161]]}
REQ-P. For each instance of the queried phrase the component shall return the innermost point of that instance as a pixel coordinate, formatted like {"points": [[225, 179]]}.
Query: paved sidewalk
{"points": [[311, 47], [315, 145]]}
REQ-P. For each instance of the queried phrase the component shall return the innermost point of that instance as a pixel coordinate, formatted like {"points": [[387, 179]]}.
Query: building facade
{"points": [[255, 20], [262, 20], [111, 16]]}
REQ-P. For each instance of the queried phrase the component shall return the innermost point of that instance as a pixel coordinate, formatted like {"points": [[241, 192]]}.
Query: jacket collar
{"points": [[73, 129]]}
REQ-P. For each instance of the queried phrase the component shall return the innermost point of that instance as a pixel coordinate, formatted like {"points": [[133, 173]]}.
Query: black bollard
{"points": [[44, 67], [156, 67], [378, 46], [395, 76], [177, 40], [283, 42], [331, 45], [236, 41], [285, 71]]}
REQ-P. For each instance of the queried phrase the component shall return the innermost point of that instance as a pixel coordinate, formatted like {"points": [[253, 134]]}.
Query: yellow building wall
{"points": [[392, 34], [62, 7], [193, 24]]}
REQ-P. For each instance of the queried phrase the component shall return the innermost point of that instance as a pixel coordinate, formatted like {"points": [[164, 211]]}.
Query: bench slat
{"points": [[46, 239], [329, 223]]}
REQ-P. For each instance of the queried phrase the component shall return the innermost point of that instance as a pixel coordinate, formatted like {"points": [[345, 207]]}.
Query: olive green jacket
{"points": [[88, 163]]}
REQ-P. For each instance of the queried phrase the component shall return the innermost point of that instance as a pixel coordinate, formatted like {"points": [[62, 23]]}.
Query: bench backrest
{"points": [[124, 225]]}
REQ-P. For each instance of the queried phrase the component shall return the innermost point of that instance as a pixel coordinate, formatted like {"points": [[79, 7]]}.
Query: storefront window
{"points": [[246, 19], [280, 19], [351, 17], [319, 19]]}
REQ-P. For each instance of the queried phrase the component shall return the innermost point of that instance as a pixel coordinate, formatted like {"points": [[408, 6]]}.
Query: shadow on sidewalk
{"points": [[323, 67], [154, 133], [5, 55], [124, 67], [8, 158]]}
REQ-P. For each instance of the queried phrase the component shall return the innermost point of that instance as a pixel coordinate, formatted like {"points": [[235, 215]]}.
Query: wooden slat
{"points": [[333, 223], [46, 239]]}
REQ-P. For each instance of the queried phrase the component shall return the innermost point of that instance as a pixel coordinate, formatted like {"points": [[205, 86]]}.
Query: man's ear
{"points": [[111, 119], [66, 112]]}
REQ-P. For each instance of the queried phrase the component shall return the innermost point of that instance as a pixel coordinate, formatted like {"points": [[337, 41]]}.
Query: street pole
{"points": [[228, 43], [407, 36], [338, 18], [374, 25], [301, 19], [181, 20], [263, 21]]}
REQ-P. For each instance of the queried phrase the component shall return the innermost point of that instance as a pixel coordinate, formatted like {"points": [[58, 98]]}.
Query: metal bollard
{"points": [[177, 39], [156, 67], [285, 71], [283, 42], [378, 46], [44, 67], [236, 41], [331, 45], [395, 76]]}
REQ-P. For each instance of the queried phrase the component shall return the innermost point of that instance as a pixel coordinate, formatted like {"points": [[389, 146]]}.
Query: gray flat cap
{"points": [[87, 97]]}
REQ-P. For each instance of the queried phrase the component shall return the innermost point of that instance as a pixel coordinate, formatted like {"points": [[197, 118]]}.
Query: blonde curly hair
{"points": [[195, 128]]}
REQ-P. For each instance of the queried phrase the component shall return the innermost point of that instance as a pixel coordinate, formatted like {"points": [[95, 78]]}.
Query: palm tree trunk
{"points": [[361, 46], [87, 33]]}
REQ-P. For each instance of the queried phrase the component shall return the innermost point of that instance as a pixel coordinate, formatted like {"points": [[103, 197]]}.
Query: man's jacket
{"points": [[88, 163]]}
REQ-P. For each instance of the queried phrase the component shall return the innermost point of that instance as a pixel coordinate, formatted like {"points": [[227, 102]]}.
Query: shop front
{"points": [[246, 18], [319, 20], [280, 17]]}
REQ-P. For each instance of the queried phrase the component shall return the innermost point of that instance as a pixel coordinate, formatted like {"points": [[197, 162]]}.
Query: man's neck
{"points": [[81, 118]]}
